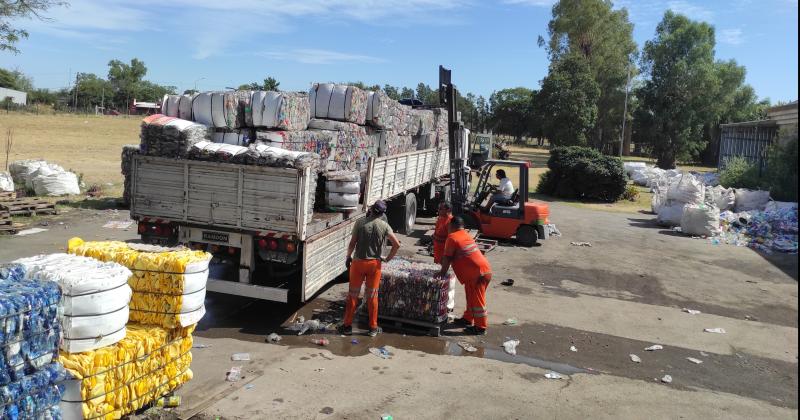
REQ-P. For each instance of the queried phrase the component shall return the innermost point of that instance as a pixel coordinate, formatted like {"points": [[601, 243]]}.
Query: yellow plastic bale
{"points": [[119, 379], [158, 281]]}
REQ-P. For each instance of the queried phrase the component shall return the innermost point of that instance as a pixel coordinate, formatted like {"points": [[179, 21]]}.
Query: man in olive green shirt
{"points": [[369, 235]]}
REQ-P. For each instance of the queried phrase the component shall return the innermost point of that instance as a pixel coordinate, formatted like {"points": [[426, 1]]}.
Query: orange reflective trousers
{"points": [[361, 271], [475, 291]]}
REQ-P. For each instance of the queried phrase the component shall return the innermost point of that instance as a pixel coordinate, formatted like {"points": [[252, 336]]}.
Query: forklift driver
{"points": [[504, 191]]}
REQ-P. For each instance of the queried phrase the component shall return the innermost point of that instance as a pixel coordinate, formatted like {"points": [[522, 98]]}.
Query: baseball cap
{"points": [[379, 207]]}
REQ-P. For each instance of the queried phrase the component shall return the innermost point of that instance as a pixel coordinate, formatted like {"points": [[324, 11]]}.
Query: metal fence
{"points": [[749, 140]]}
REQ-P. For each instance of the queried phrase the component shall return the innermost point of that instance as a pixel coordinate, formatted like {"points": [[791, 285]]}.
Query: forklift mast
{"points": [[459, 171]]}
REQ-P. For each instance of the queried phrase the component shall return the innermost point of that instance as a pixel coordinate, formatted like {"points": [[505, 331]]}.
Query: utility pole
{"points": [[103, 100], [625, 111]]}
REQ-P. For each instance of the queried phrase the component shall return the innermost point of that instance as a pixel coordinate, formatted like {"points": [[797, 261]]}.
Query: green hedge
{"points": [[583, 173]]}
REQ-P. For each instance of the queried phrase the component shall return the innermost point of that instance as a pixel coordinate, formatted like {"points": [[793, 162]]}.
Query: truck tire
{"points": [[527, 235], [403, 214]]}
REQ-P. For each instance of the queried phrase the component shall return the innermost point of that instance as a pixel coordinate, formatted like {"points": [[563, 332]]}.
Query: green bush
{"points": [[582, 173], [631, 193], [739, 173], [781, 173]]}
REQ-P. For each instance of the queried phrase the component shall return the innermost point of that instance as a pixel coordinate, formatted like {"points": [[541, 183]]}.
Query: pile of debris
{"points": [[773, 229]]}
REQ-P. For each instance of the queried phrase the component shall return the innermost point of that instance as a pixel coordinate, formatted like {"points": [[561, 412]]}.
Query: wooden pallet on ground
{"points": [[6, 225], [408, 325], [7, 195], [27, 206]]}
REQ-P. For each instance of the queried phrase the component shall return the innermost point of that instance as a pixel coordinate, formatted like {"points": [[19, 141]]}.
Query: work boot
{"points": [[375, 331], [472, 330], [462, 321], [346, 329]]}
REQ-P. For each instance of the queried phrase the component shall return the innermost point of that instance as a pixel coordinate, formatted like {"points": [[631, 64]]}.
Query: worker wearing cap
{"points": [[369, 235], [472, 270], [441, 231]]}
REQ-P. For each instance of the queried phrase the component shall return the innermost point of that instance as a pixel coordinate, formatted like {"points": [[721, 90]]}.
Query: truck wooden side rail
{"points": [[264, 216]]}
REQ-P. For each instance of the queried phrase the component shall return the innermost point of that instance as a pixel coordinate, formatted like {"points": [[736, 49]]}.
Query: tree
{"points": [[391, 92], [511, 111], [271, 84], [15, 79], [674, 101], [566, 106], [190, 91], [427, 95], [91, 91], [604, 38], [153, 92], [250, 86], [43, 96], [16, 10], [124, 79], [407, 93]]}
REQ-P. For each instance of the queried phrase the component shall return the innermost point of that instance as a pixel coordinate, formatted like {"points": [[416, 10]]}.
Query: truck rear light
{"points": [[273, 245], [290, 247], [142, 228], [262, 243], [214, 248], [231, 250]]}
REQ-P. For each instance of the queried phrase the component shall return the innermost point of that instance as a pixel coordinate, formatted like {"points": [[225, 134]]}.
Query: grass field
{"points": [[87, 145]]}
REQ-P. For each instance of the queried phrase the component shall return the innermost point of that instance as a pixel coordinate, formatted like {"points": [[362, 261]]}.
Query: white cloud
{"points": [[731, 36], [315, 56], [690, 10]]}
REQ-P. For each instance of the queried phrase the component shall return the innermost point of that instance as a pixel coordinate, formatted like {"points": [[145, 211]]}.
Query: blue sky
{"points": [[489, 44]]}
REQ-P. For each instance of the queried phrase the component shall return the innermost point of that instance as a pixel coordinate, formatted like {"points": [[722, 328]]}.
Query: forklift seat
{"points": [[509, 207]]}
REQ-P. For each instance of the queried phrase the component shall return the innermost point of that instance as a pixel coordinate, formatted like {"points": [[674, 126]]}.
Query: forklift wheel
{"points": [[527, 236]]}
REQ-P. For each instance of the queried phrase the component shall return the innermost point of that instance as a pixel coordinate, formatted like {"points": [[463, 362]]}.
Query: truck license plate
{"points": [[215, 236]]}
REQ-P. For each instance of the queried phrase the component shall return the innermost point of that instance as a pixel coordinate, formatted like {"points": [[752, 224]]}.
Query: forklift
{"points": [[484, 147], [518, 218]]}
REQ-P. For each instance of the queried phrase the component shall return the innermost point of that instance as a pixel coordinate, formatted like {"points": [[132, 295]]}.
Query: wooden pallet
{"points": [[6, 225], [27, 206], [408, 325], [7, 195]]}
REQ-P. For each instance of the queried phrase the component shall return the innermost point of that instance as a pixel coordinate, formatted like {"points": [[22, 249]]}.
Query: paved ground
{"points": [[624, 293]]}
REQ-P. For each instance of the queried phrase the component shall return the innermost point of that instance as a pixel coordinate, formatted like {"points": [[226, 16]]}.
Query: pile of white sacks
{"points": [[692, 201], [46, 179], [6, 182]]}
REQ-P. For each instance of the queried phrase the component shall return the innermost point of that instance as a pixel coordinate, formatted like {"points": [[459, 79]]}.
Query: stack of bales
{"points": [[30, 375], [115, 367]]}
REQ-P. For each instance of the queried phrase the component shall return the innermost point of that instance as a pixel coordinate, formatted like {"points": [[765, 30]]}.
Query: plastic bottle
{"points": [[320, 341]]}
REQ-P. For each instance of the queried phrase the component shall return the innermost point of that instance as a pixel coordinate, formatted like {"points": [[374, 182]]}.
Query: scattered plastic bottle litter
{"points": [[354, 341], [667, 379], [234, 374], [467, 346], [715, 330], [510, 321], [691, 311], [573, 348], [581, 244], [240, 357], [380, 352], [510, 346], [387, 417], [635, 358], [320, 341], [273, 338], [654, 347], [249, 386], [693, 360], [200, 346], [552, 375]]}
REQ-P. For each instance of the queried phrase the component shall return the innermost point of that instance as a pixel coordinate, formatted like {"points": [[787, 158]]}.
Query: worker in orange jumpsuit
{"points": [[369, 235], [472, 270], [441, 231]]}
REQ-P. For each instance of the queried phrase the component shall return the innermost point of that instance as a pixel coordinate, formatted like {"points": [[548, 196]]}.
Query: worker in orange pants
{"points": [[472, 270], [369, 235], [441, 231]]}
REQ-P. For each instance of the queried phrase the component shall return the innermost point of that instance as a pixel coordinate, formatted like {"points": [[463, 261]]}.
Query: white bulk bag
{"points": [[341, 199], [670, 213], [747, 200], [21, 169], [700, 220], [630, 167], [56, 184], [687, 190], [720, 197], [169, 105], [6, 182], [207, 109]]}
